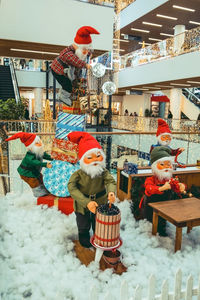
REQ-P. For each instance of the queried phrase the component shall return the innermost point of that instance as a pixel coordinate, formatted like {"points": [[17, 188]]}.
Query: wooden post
{"points": [[155, 223], [1, 172], [178, 239]]}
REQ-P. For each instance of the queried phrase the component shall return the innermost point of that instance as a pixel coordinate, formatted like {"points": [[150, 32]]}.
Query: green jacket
{"points": [[80, 183], [31, 166]]}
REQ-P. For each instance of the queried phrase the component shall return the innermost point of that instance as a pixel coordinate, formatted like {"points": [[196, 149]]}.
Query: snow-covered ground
{"points": [[37, 260]]}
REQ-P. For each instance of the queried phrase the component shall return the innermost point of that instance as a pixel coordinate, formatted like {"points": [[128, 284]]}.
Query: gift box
{"points": [[67, 123], [56, 178], [64, 150], [63, 204], [130, 168]]}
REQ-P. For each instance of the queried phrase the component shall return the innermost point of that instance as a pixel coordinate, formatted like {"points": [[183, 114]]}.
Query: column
{"points": [[175, 106], [179, 32], [38, 101]]}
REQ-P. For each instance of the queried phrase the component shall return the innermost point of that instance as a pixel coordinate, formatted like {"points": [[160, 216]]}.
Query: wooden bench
{"points": [[181, 213]]}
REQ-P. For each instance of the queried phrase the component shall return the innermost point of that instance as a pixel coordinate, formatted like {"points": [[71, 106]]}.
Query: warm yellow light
{"points": [[152, 24], [183, 8], [166, 17], [33, 51]]}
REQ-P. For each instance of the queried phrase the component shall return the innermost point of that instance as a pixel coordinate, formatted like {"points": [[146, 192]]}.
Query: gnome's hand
{"points": [[182, 187], [92, 205], [181, 149], [111, 197], [165, 187], [88, 66], [49, 165]]}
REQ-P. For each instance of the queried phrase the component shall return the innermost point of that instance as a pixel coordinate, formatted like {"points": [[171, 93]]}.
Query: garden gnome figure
{"points": [[159, 187], [164, 137], [31, 166], [67, 66], [91, 186]]}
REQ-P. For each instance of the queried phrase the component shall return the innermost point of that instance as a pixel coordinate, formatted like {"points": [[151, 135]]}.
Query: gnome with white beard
{"points": [[31, 166], [164, 138], [91, 186], [67, 66], [160, 186]]}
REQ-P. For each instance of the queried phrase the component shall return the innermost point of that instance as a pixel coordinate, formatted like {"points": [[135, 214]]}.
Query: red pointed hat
{"points": [[163, 127], [26, 138], [83, 35], [85, 141]]}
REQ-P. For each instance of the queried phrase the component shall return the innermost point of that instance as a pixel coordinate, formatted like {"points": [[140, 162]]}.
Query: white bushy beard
{"points": [[163, 143], [93, 169], [38, 151], [80, 54], [164, 174]]}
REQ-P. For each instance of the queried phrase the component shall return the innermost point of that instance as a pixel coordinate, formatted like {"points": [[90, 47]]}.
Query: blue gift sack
{"points": [[56, 179], [67, 123], [131, 168]]}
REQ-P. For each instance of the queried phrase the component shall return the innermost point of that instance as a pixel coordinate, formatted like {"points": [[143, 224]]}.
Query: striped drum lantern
{"points": [[107, 226]]}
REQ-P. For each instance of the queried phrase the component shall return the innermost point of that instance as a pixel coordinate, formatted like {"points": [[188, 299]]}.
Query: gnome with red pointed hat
{"points": [[90, 186], [31, 166], [164, 137], [67, 66]]}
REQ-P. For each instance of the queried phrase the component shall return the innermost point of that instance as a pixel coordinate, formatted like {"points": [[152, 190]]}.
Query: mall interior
{"points": [[149, 51], [137, 92]]}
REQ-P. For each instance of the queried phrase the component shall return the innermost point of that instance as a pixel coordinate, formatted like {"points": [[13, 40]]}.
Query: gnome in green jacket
{"points": [[31, 166], [91, 186]]}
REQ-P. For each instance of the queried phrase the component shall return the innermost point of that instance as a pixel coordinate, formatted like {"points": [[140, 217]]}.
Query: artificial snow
{"points": [[38, 262]]}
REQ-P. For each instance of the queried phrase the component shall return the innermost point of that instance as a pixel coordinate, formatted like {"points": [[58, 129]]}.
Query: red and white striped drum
{"points": [[107, 229]]}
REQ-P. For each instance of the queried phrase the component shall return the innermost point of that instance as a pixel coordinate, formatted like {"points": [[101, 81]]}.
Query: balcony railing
{"points": [[182, 43]]}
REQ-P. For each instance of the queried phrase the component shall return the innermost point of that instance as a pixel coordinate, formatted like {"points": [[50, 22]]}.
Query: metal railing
{"points": [[14, 81], [182, 43]]}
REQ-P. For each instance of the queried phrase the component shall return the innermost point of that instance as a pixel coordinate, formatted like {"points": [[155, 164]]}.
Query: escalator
{"points": [[191, 103], [8, 83]]}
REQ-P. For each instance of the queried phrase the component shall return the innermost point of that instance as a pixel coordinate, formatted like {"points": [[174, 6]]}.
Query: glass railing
{"points": [[182, 43], [190, 95], [118, 146], [27, 64]]}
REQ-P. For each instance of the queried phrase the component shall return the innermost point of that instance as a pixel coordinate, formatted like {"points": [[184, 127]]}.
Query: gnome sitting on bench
{"points": [[31, 166]]}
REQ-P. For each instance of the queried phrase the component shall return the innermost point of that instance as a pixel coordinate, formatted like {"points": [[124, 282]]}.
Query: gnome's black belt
{"points": [[62, 63], [95, 196], [26, 168]]}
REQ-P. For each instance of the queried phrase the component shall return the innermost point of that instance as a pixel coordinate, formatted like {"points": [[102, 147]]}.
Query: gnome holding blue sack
{"points": [[91, 186], [31, 166]]}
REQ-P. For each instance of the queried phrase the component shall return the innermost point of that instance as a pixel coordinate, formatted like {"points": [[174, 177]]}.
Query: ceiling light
{"points": [[118, 50], [181, 84], [163, 85], [146, 44], [151, 87], [198, 82], [121, 40], [34, 51], [166, 17], [166, 34], [141, 30], [152, 39], [183, 8], [138, 89], [152, 24], [193, 22]]}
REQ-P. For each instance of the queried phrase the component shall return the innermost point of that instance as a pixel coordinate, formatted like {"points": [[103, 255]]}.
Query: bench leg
{"points": [[178, 240], [155, 223]]}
